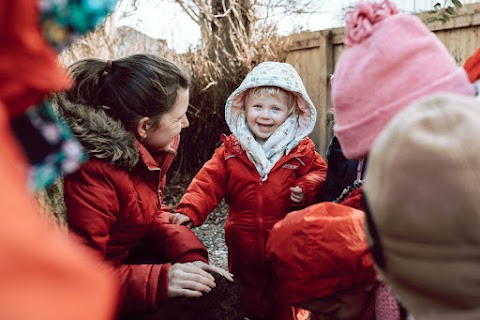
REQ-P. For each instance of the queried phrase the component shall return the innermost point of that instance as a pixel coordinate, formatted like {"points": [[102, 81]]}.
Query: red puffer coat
{"points": [[254, 206], [114, 202]]}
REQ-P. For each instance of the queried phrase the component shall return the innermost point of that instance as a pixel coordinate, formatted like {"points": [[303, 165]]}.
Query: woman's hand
{"points": [[188, 280], [192, 279], [208, 267], [181, 219]]}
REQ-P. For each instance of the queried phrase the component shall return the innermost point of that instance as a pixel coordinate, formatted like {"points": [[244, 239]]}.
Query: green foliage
{"points": [[443, 13]]}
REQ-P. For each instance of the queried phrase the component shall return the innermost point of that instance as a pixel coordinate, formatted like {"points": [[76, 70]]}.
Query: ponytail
{"points": [[87, 74], [128, 89]]}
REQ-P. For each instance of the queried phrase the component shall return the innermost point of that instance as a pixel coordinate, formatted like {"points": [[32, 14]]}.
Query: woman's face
{"points": [[345, 305], [169, 126]]}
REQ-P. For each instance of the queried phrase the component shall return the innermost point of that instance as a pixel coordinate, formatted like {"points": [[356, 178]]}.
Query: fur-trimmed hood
{"points": [[102, 136]]}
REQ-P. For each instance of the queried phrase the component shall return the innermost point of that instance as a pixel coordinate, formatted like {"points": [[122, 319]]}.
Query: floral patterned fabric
{"points": [[64, 21], [287, 136], [265, 156], [48, 144]]}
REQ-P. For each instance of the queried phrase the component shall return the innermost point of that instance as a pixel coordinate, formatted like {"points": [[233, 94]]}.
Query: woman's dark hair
{"points": [[128, 89]]}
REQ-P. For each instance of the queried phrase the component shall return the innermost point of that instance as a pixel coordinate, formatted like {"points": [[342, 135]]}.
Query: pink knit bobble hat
{"points": [[389, 61]]}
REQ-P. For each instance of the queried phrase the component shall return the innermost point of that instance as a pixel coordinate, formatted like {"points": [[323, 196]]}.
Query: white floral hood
{"points": [[276, 74], [288, 135]]}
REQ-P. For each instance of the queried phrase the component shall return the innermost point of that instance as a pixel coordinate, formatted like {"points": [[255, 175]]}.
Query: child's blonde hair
{"points": [[272, 91]]}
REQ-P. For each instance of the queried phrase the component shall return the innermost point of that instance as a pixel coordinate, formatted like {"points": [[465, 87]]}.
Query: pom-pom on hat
{"points": [[389, 61], [318, 251]]}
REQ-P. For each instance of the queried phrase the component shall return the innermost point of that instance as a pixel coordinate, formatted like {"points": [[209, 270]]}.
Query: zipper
{"points": [[360, 168], [260, 219], [159, 195], [159, 190]]}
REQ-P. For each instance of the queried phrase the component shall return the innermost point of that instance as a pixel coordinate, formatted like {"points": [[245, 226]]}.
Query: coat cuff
{"points": [[193, 217], [299, 205], [193, 255], [162, 288], [309, 195]]}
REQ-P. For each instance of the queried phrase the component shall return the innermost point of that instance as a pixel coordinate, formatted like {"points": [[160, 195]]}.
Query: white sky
{"points": [[165, 19]]}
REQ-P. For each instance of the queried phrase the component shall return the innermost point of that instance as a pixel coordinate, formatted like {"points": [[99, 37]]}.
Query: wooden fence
{"points": [[314, 54]]}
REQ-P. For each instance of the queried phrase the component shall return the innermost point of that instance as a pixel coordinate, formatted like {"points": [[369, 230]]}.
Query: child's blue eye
{"points": [[257, 106]]}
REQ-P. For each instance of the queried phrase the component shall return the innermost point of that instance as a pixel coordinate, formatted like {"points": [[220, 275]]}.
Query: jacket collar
{"points": [[233, 145]]}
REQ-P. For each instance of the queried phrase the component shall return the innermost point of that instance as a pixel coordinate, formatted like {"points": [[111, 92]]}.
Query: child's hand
{"points": [[296, 194], [181, 219]]}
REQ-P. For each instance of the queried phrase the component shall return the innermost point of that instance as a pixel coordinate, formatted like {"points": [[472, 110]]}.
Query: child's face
{"points": [[266, 113], [170, 125], [345, 305]]}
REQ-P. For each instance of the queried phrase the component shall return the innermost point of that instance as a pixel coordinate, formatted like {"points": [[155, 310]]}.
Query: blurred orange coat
{"points": [[472, 66], [43, 274]]}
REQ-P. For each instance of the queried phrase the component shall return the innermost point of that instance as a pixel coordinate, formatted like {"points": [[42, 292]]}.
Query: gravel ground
{"points": [[211, 232], [212, 235]]}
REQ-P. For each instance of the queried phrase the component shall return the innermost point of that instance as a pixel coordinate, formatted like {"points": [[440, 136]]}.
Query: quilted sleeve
{"points": [[91, 197], [177, 243], [313, 176], [92, 205], [143, 286], [206, 189]]}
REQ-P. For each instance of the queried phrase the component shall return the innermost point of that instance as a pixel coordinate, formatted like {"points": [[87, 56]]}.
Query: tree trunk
{"points": [[232, 22]]}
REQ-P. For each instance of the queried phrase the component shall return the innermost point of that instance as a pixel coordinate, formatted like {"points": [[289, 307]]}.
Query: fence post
{"points": [[324, 104], [311, 54]]}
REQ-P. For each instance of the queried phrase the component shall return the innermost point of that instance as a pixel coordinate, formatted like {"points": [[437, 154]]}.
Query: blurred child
{"points": [[371, 86], [265, 169], [342, 173], [320, 259], [128, 114], [389, 61], [422, 189], [45, 275]]}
